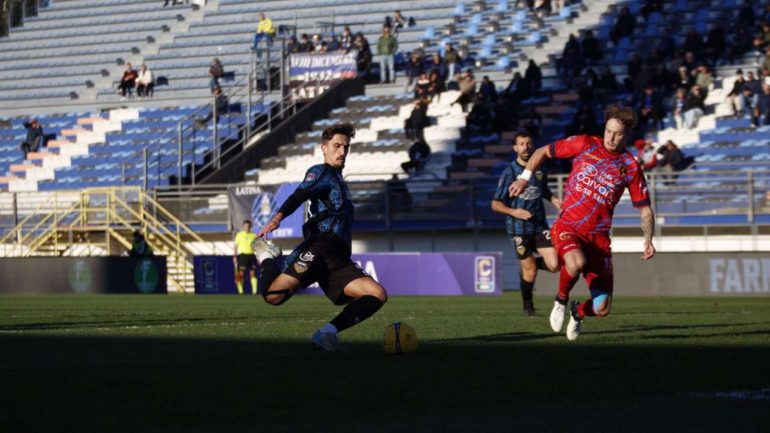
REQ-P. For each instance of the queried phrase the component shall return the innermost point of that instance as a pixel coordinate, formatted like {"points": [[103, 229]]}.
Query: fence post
{"points": [[144, 172], [179, 157], [248, 110], [215, 146], [750, 185]]}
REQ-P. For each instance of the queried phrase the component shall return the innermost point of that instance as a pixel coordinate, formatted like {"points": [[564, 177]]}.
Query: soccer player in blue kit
{"points": [[525, 219], [324, 255]]}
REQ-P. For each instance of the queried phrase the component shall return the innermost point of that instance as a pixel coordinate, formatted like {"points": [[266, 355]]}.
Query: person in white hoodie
{"points": [[144, 83]]}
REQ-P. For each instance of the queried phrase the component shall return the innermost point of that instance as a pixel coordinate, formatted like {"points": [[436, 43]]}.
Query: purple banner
{"points": [[425, 274]]}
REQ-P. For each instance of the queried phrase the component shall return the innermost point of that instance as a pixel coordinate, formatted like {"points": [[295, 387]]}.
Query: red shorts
{"points": [[596, 248]]}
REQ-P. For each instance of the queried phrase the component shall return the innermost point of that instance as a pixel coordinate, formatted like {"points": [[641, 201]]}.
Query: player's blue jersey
{"points": [[530, 200], [330, 206]]}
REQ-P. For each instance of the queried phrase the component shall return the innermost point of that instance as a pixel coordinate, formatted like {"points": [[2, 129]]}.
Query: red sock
{"points": [[566, 283], [586, 309]]}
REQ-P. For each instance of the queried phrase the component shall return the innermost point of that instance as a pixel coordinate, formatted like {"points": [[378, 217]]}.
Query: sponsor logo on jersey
{"points": [[564, 236], [531, 193], [623, 171], [307, 256], [517, 240]]}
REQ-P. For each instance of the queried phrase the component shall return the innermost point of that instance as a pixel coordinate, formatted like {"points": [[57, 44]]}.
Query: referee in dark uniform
{"points": [[525, 219]]}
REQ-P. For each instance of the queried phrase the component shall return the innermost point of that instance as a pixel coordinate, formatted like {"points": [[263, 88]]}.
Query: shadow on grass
{"points": [[105, 384]]}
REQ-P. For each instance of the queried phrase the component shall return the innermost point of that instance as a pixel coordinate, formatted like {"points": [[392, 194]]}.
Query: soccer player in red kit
{"points": [[601, 170]]}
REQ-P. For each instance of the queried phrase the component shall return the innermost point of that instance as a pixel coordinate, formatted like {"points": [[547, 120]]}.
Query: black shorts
{"points": [[525, 245], [326, 260], [247, 262]]}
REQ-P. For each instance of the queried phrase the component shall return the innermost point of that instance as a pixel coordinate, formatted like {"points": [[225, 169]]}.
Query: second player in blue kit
{"points": [[525, 220]]}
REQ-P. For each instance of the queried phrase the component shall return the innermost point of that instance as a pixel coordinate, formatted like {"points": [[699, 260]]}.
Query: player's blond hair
{"points": [[624, 115]]}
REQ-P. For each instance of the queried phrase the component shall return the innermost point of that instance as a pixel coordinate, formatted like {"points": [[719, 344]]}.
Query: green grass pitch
{"points": [[234, 364]]}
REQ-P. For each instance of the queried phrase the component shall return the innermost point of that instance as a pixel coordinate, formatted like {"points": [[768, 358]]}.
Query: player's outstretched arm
{"points": [[535, 161], [271, 225], [648, 227]]}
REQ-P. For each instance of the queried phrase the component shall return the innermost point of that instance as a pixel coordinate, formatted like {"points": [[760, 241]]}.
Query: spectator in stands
{"points": [[646, 155], [216, 72], [766, 62], [220, 106], [762, 108], [584, 122], [745, 18], [693, 42], [346, 40], [398, 195], [323, 48], [651, 6], [419, 153], [534, 78], [671, 158], [437, 85], [517, 88], [481, 119], [467, 90], [703, 79], [590, 46], [740, 43], [422, 87], [635, 64], [684, 79], [34, 138], [690, 62], [452, 59], [317, 41], [694, 107], [387, 46], [752, 88], [417, 121], [128, 81], [488, 89], [265, 32], [734, 97], [139, 246], [144, 82], [650, 110], [680, 101], [413, 70], [397, 21], [364, 58], [437, 64], [667, 44], [305, 46], [571, 59], [763, 38], [333, 44], [715, 45], [292, 45], [589, 80], [607, 83], [624, 26]]}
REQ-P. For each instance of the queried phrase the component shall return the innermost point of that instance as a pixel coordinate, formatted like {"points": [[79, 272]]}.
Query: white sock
{"points": [[328, 327], [264, 256]]}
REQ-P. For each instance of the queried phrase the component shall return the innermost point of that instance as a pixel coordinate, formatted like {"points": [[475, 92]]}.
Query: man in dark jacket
{"points": [[418, 156], [650, 109], [762, 107], [34, 138], [417, 121]]}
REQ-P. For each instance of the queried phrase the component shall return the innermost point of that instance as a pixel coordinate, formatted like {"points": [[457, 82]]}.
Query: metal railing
{"points": [[689, 198], [208, 135]]}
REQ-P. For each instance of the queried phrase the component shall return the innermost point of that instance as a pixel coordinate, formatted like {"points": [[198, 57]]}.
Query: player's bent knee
{"points": [[274, 299]]}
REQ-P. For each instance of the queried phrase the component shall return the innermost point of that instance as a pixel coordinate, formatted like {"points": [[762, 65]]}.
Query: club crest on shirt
{"points": [[565, 235], [539, 175], [623, 170], [300, 267], [521, 249], [310, 177]]}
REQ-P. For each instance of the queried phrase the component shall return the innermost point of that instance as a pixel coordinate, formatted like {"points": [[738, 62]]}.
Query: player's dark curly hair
{"points": [[522, 134], [345, 129], [624, 115]]}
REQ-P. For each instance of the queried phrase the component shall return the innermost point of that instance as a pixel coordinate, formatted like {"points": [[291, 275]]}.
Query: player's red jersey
{"points": [[596, 183]]}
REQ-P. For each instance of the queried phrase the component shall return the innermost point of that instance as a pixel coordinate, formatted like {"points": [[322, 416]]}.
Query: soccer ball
{"points": [[399, 338]]}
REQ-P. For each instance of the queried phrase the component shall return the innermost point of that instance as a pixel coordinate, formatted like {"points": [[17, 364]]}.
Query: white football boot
{"points": [[263, 248], [557, 316], [575, 325]]}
